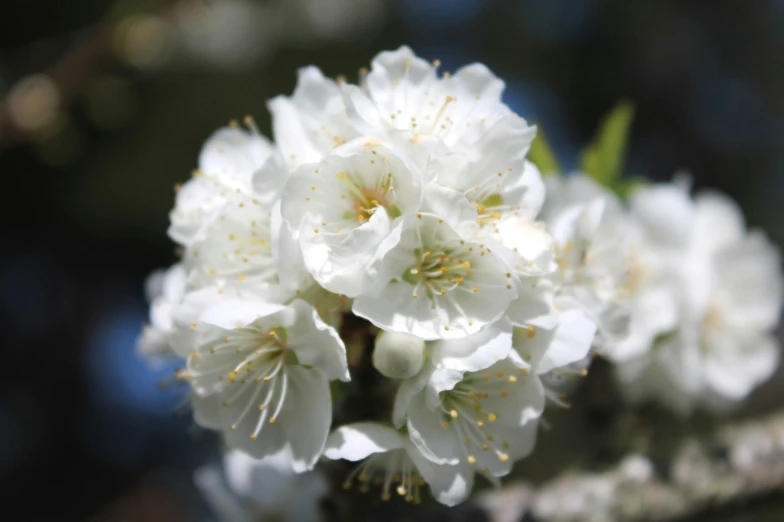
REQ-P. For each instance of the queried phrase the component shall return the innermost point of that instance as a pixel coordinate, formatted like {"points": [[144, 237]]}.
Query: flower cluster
{"points": [[407, 201], [699, 293]]}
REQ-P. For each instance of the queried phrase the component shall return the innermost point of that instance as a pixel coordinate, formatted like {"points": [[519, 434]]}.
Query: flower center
{"points": [[385, 470], [437, 271], [365, 200], [252, 364], [463, 411]]}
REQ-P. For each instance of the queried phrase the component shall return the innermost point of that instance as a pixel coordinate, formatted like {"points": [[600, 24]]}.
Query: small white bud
{"points": [[398, 356]]}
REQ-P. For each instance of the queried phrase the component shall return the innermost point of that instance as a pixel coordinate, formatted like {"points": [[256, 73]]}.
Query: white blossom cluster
{"points": [[407, 201], [701, 294]]}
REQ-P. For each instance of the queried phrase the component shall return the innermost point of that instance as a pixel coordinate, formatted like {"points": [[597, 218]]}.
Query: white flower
{"points": [[236, 246], [227, 163], [425, 280], [389, 456], [311, 122], [601, 261], [398, 356], [165, 290], [404, 93], [729, 294], [344, 206], [556, 345], [474, 407], [493, 176], [260, 373], [250, 489], [481, 421]]}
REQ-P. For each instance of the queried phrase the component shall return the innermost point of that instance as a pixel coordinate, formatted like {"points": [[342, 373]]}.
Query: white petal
{"points": [[310, 407], [153, 342], [235, 313], [450, 485], [474, 352], [206, 411], [427, 434], [408, 389], [312, 121], [316, 343], [735, 365], [718, 222], [269, 179], [358, 441], [233, 155], [666, 212], [547, 349], [292, 272], [749, 283]]}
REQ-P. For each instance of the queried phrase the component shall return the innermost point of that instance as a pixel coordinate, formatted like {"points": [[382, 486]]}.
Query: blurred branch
{"points": [[737, 463]]}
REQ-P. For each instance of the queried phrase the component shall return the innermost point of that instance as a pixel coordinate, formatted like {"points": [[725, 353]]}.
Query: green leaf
{"points": [[541, 155], [626, 188], [603, 159]]}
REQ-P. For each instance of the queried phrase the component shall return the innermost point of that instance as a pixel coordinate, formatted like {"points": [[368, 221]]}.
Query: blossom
{"points": [[431, 283], [237, 246], [260, 373], [343, 207], [165, 290], [556, 345], [403, 93], [389, 456], [473, 408], [245, 489], [311, 122], [595, 244], [227, 163], [729, 294], [406, 201], [480, 421]]}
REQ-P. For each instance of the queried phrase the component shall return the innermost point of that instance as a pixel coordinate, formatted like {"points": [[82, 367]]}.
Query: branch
{"points": [[737, 463]]}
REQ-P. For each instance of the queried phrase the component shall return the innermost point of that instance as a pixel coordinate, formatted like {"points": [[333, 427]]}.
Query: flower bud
{"points": [[398, 356]]}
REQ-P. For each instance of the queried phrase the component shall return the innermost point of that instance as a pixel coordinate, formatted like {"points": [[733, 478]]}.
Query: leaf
{"points": [[541, 155], [627, 187], [603, 159]]}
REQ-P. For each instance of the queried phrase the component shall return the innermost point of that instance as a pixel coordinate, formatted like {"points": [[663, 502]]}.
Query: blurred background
{"points": [[104, 106]]}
